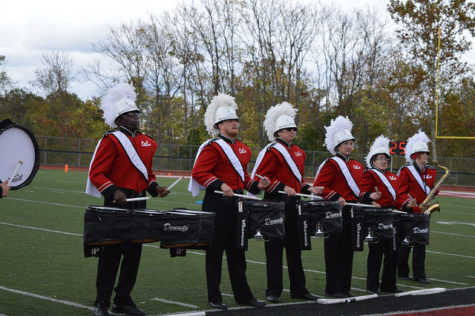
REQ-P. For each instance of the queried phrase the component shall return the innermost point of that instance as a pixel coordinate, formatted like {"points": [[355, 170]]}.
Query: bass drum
{"points": [[18, 144]]}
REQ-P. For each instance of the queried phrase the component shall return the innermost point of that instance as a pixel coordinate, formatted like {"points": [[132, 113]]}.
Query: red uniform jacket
{"points": [[333, 181], [408, 185], [370, 180], [112, 167], [213, 168], [275, 167]]}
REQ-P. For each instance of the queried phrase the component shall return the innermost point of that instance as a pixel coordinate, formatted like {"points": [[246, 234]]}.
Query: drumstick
{"points": [[305, 195], [412, 199], [143, 198], [240, 195], [361, 205], [259, 176], [376, 188], [14, 172], [173, 184]]}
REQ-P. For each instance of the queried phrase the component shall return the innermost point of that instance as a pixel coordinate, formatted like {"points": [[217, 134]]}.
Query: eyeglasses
{"points": [[383, 159], [291, 129]]}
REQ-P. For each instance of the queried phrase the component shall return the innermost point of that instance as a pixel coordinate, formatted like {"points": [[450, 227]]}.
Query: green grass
{"points": [[41, 248]]}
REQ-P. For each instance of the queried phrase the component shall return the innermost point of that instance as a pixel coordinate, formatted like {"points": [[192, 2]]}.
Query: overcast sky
{"points": [[31, 28]]}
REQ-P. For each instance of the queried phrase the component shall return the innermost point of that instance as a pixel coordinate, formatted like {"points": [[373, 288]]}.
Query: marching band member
{"points": [[339, 176], [283, 163], [4, 188], [416, 180], [121, 168], [221, 164], [378, 186]]}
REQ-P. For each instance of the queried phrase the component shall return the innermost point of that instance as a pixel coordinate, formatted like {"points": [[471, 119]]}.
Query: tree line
{"points": [[324, 61]]}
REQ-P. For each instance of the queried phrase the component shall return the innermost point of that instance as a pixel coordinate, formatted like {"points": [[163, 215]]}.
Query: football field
{"points": [[43, 270]]}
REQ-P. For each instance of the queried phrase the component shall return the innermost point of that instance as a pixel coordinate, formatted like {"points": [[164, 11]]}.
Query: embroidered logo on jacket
{"points": [[298, 154], [356, 167], [242, 150], [146, 143], [392, 178], [427, 176]]}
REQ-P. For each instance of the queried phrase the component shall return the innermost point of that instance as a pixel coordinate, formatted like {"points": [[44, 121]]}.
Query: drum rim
{"points": [[6, 124]]}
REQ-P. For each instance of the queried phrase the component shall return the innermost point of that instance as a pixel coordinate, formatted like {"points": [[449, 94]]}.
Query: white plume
{"points": [[420, 136], [339, 124], [210, 114], [380, 146], [110, 99], [273, 114]]}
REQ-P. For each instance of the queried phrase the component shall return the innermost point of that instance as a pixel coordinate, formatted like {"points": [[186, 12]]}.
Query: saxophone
{"points": [[425, 206]]}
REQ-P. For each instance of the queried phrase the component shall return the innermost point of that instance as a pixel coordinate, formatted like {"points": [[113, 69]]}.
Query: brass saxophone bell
{"points": [[433, 208], [258, 235]]}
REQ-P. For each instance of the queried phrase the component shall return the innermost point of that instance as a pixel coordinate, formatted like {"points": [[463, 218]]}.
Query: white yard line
{"points": [[450, 254], [46, 203], [449, 282], [174, 302], [452, 234], [41, 229], [46, 298], [455, 223]]}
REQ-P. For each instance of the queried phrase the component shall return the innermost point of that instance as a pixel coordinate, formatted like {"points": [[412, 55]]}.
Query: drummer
{"points": [[339, 175], [221, 165], [4, 188], [121, 168], [283, 163], [378, 186]]}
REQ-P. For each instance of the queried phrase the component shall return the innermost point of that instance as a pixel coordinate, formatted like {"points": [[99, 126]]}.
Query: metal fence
{"points": [[58, 151]]}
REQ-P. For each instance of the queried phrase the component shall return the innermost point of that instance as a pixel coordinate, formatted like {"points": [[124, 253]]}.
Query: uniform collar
{"points": [[346, 159], [227, 139], [128, 132], [283, 142], [420, 170]]}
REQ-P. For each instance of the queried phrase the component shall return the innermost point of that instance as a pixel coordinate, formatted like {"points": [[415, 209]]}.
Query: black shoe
{"points": [[218, 305], [337, 295], [404, 277], [253, 302], [349, 294], [308, 297], [273, 298], [392, 290], [422, 280], [372, 292], [127, 310], [100, 309]]}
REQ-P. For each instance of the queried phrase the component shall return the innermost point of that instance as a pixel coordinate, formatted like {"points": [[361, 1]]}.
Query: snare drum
{"points": [[380, 222], [325, 214], [416, 229], [106, 225], [18, 144], [185, 228]]}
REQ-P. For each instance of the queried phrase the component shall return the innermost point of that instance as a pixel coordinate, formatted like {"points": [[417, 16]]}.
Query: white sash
{"points": [[348, 176], [319, 169], [131, 153], [289, 160], [386, 182], [418, 178], [259, 160], [194, 187]]}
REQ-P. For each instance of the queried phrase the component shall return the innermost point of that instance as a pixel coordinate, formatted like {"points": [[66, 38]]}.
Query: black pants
{"points": [[384, 247], [418, 261], [274, 252], [338, 251], [110, 259], [224, 239]]}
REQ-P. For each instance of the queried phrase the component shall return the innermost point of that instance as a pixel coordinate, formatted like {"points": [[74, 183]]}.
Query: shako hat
{"points": [[417, 143], [380, 146], [338, 132], [222, 108], [278, 117], [118, 100]]}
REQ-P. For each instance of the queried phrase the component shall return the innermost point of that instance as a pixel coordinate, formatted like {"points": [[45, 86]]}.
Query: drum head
{"points": [[18, 144]]}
